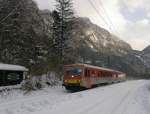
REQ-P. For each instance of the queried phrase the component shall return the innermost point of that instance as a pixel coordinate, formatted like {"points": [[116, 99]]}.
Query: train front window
{"points": [[73, 71]]}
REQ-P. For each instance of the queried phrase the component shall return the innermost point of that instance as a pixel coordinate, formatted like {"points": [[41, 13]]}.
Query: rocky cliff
{"points": [[99, 47]]}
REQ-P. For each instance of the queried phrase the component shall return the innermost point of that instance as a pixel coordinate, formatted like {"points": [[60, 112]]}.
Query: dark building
{"points": [[11, 74]]}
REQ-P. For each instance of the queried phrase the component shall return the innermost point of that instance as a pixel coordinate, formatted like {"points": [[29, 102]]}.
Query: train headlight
{"points": [[65, 81]]}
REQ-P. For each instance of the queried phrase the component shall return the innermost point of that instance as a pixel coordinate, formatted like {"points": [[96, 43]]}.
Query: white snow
{"points": [[131, 97], [12, 67], [10, 87]]}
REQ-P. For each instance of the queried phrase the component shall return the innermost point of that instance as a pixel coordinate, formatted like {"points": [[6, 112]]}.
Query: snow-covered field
{"points": [[131, 97]]}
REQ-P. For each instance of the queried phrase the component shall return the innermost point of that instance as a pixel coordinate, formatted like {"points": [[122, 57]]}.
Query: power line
{"points": [[9, 14], [107, 16], [100, 14]]}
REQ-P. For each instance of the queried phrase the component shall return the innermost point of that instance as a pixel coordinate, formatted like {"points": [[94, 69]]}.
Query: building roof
{"points": [[12, 67]]}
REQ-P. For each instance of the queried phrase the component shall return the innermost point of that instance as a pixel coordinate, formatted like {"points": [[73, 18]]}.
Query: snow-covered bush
{"points": [[38, 82]]}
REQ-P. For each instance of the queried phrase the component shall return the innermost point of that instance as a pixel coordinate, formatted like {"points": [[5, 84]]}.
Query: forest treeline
{"points": [[37, 39]]}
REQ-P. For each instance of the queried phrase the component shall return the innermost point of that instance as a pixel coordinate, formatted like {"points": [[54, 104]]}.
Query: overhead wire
{"points": [[107, 16], [9, 14], [2, 20], [100, 15]]}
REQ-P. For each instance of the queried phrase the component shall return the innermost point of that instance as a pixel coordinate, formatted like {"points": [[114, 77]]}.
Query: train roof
{"points": [[9, 67], [91, 66]]}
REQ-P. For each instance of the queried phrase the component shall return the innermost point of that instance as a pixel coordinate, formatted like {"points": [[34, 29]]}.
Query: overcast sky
{"points": [[130, 18]]}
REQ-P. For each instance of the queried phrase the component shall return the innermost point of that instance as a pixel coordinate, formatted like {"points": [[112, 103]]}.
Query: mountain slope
{"points": [[145, 54], [101, 40], [99, 47]]}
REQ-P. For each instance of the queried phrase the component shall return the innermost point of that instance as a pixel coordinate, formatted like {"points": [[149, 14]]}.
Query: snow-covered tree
{"points": [[21, 32], [63, 29]]}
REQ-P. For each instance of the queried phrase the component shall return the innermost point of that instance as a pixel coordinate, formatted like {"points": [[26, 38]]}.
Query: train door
{"points": [[87, 73], [88, 82]]}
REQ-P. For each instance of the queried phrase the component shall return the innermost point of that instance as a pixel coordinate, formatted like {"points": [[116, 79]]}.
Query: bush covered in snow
{"points": [[38, 82]]}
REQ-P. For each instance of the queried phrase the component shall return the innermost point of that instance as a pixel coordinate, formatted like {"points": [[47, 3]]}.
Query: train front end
{"points": [[72, 77]]}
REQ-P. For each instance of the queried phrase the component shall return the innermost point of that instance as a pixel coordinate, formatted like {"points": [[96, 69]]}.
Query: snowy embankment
{"points": [[131, 97]]}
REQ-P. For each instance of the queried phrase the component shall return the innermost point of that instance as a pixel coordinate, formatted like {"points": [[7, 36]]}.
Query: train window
{"points": [[104, 74], [108, 74], [93, 72], [116, 75], [87, 72], [99, 73], [73, 71]]}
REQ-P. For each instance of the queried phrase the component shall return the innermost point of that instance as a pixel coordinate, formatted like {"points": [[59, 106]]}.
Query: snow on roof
{"points": [[96, 67], [12, 67], [102, 68]]}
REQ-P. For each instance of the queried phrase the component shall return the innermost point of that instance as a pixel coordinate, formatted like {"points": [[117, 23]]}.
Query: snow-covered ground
{"points": [[131, 97]]}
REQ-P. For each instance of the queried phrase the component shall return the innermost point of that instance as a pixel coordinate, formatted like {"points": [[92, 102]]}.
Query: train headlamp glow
{"points": [[72, 76]]}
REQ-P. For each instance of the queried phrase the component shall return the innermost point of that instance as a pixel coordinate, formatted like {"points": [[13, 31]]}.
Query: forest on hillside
{"points": [[34, 38]]}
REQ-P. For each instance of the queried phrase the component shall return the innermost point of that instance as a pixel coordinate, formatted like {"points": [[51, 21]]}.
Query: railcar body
{"points": [[86, 76]]}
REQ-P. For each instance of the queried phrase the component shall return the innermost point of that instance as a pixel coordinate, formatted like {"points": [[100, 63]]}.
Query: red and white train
{"points": [[79, 76]]}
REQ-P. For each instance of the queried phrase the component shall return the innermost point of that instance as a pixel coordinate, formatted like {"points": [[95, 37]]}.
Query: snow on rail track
{"points": [[131, 97]]}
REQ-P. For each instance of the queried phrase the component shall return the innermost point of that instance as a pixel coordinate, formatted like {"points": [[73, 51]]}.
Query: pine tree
{"points": [[56, 34], [63, 29]]}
